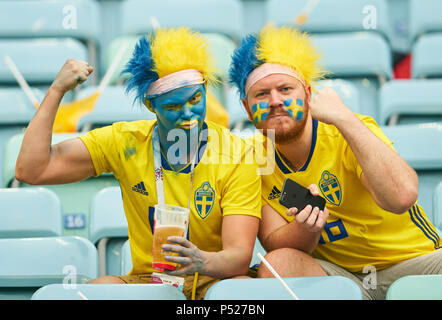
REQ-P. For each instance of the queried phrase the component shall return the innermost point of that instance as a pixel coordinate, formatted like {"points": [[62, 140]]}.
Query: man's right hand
{"points": [[72, 73]]}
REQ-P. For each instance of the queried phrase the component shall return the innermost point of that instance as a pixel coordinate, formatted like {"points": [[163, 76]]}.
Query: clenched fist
{"points": [[327, 106], [72, 73]]}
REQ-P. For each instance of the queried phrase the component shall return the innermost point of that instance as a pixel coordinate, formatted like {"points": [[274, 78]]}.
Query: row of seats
{"points": [[58, 268], [418, 144]]}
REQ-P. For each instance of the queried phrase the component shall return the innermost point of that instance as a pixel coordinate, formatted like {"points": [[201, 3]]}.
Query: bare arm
{"points": [[390, 180], [238, 238], [302, 233], [68, 161]]}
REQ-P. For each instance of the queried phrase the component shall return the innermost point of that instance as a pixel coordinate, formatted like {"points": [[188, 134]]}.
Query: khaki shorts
{"points": [[374, 283], [203, 283]]}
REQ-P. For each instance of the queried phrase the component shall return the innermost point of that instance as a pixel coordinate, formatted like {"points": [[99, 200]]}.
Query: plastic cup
{"points": [[170, 220]]}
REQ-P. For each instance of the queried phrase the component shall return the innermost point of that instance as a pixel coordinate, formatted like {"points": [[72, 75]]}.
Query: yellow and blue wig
{"points": [[284, 45], [164, 52]]}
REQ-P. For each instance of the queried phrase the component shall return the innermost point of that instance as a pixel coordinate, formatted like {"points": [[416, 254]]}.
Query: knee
{"points": [[107, 280], [290, 262]]}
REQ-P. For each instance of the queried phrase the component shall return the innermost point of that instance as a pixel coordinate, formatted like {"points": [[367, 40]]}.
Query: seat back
{"points": [[29, 212], [420, 145], [109, 292], [424, 17], [36, 262], [305, 288], [427, 56], [126, 258], [138, 16], [416, 287], [332, 16], [411, 101]]}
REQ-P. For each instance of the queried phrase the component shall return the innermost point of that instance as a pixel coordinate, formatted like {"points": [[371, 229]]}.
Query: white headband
{"points": [[267, 69], [174, 81]]}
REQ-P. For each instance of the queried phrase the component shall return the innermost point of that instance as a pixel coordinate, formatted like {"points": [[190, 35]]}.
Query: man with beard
{"points": [[371, 221]]}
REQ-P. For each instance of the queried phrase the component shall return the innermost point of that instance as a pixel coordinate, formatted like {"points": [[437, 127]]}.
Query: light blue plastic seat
{"points": [[110, 292], [331, 16], [113, 105], [51, 54], [427, 56], [305, 288], [424, 17], [416, 287], [367, 65], [437, 206], [223, 17], [75, 197], [29, 212], [108, 229], [30, 263], [126, 258], [420, 145], [79, 20], [411, 101]]}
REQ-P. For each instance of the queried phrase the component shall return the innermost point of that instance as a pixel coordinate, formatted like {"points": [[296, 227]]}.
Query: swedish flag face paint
{"points": [[295, 107], [260, 111]]}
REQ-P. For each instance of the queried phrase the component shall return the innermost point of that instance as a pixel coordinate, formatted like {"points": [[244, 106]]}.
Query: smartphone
{"points": [[295, 195]]}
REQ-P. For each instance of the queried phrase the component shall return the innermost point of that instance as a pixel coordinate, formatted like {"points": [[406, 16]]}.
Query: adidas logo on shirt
{"points": [[275, 193], [140, 188]]}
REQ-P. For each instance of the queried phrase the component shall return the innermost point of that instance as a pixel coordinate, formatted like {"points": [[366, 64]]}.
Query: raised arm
{"points": [[390, 180], [68, 161]]}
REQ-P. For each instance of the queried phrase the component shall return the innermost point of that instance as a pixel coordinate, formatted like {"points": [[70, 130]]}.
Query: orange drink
{"points": [[169, 221]]}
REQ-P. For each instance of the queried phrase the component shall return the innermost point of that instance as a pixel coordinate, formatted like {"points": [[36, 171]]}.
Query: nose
{"points": [[275, 99], [186, 113]]}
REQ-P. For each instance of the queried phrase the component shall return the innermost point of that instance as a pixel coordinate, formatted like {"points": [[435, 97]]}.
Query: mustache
{"points": [[278, 112]]}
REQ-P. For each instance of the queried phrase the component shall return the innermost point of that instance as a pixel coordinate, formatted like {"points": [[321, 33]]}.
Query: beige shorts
{"points": [[374, 284], [203, 283]]}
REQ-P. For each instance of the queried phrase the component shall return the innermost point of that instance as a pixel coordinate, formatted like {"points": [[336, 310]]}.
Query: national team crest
{"points": [[330, 188], [204, 199]]}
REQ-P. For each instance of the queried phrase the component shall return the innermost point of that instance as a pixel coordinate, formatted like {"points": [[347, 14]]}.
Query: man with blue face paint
{"points": [[163, 161], [372, 228]]}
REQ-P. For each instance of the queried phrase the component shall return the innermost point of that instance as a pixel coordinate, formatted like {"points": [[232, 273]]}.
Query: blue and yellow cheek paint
{"points": [[260, 111], [295, 107]]}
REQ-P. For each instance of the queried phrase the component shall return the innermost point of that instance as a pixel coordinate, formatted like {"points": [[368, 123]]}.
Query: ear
{"points": [[147, 103], [246, 107], [308, 92]]}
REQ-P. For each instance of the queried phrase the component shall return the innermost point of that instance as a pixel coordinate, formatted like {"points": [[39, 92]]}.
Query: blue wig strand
{"points": [[244, 61], [140, 70]]}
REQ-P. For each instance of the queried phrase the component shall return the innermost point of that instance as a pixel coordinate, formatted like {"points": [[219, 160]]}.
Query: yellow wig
{"points": [[284, 45]]}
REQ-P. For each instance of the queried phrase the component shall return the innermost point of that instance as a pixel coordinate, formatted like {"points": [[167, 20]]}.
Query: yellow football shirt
{"points": [[224, 183], [358, 232]]}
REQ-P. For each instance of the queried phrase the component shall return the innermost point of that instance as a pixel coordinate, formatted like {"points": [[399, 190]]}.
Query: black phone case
{"points": [[295, 195]]}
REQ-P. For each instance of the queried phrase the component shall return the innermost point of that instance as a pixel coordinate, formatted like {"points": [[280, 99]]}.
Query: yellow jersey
{"points": [[358, 232], [222, 183]]}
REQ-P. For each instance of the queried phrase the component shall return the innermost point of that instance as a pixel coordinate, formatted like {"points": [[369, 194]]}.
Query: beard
{"points": [[286, 129]]}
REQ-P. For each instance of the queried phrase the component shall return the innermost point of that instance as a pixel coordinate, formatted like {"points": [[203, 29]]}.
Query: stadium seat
{"points": [[332, 16], [305, 288], [79, 20], [411, 101], [416, 287], [29, 212], [427, 56], [51, 54], [108, 229], [424, 17], [368, 66], [109, 292], [437, 206], [139, 17], [126, 258], [113, 105], [75, 197], [30, 263], [16, 111], [420, 145]]}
